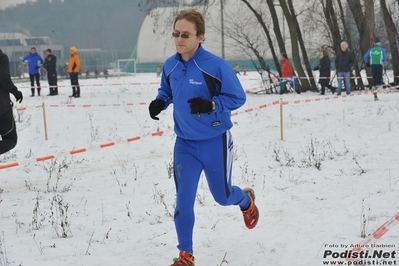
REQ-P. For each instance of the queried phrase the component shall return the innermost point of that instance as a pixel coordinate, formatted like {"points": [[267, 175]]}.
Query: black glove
{"points": [[368, 64], [156, 106], [18, 96], [37, 67], [199, 105]]}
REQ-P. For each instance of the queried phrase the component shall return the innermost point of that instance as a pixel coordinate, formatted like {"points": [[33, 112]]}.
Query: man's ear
{"points": [[201, 38]]}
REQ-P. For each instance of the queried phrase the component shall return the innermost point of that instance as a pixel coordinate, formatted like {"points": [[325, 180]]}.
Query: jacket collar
{"points": [[199, 51]]}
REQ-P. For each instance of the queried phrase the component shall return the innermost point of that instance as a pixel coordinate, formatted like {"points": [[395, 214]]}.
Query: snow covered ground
{"points": [[336, 170]]}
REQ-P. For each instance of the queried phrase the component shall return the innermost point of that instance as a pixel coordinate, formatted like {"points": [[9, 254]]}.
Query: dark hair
{"points": [[193, 16], [284, 55], [376, 40]]}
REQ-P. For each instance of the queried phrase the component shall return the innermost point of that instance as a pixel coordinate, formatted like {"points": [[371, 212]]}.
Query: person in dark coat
{"points": [[8, 130], [344, 63], [325, 72], [50, 64], [96, 73]]}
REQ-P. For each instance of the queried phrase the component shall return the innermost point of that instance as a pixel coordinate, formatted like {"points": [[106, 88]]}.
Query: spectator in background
{"points": [[65, 70], [50, 64], [237, 69], [344, 64], [33, 61], [106, 73], [375, 57], [8, 129], [74, 70], [19, 71], [61, 71], [287, 73], [96, 73], [158, 71], [244, 70], [325, 72]]}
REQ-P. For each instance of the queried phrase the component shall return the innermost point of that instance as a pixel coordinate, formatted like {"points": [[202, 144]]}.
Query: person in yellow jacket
{"points": [[73, 70]]}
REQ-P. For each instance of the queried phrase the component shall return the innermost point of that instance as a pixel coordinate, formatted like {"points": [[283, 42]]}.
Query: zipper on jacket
{"points": [[185, 65]]}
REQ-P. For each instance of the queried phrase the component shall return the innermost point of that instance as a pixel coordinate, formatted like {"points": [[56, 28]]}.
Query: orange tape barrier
{"points": [[78, 151], [19, 109], [374, 237], [98, 84], [245, 111], [332, 77]]}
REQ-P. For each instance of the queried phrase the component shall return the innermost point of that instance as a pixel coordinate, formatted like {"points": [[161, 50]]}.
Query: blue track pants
{"points": [[214, 157]]}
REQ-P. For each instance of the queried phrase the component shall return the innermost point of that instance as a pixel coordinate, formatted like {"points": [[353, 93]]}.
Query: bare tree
{"points": [[351, 43], [303, 48], [246, 31], [365, 26], [392, 37], [267, 33], [292, 26], [332, 22], [276, 26]]}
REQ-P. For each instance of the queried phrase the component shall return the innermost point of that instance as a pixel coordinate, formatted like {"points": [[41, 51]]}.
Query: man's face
{"points": [[48, 53], [187, 47], [72, 51], [33, 51], [343, 47]]}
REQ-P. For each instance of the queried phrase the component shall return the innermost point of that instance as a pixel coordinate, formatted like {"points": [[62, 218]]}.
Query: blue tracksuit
{"points": [[33, 60], [203, 142], [207, 76]]}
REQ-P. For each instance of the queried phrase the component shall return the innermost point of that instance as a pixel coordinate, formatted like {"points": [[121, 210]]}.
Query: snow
{"points": [[119, 200]]}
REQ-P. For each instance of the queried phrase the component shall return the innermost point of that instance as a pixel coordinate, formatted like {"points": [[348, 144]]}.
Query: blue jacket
{"points": [[206, 76], [33, 60]]}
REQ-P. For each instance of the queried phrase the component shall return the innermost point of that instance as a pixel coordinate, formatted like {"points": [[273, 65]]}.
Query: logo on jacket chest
{"points": [[193, 82]]}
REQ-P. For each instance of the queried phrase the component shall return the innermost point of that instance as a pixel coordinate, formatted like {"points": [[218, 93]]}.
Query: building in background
{"points": [[155, 42], [17, 45]]}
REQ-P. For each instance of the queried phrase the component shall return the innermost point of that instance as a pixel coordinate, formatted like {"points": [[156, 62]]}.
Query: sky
{"points": [[334, 175]]}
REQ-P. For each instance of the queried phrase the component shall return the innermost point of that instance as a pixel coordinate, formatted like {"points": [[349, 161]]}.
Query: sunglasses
{"points": [[183, 35]]}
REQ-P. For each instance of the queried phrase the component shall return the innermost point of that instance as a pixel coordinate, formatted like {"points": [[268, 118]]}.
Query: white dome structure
{"points": [[155, 42]]}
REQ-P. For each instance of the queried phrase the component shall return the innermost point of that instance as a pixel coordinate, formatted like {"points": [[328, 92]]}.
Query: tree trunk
{"points": [[392, 37], [303, 49], [269, 39], [370, 22], [365, 27], [351, 44], [294, 43], [332, 23], [276, 26]]}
